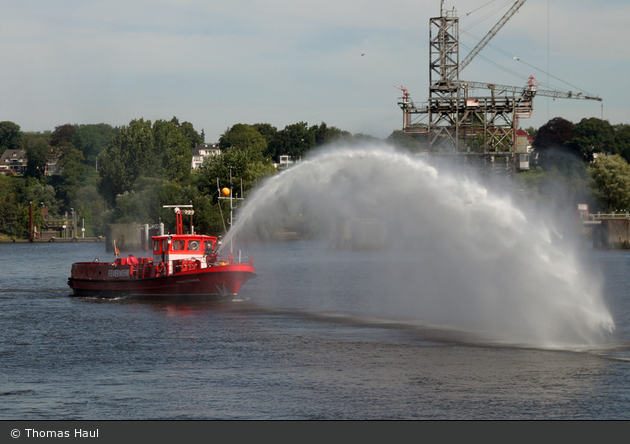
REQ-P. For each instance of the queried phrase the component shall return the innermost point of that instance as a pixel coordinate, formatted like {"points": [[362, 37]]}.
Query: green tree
{"points": [[63, 134], [243, 167], [553, 134], [622, 140], [61, 140], [8, 205], [250, 166], [611, 179], [294, 140], [37, 153], [16, 195], [42, 195], [141, 149], [131, 154], [325, 134], [21, 228], [593, 136], [33, 137], [268, 131], [75, 174], [92, 210], [188, 130], [405, 141], [173, 147], [143, 203], [10, 136], [243, 137], [91, 140], [559, 183]]}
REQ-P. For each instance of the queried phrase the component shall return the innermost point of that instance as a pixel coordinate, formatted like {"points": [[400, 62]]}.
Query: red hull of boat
{"points": [[214, 283]]}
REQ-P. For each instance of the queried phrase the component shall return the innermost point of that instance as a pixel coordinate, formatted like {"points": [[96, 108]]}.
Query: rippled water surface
{"points": [[302, 344]]}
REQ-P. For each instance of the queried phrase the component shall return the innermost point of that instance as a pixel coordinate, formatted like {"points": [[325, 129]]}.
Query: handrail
{"points": [[231, 260], [624, 214]]}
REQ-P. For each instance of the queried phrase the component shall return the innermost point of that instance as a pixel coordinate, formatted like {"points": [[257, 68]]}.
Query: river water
{"points": [[310, 339]]}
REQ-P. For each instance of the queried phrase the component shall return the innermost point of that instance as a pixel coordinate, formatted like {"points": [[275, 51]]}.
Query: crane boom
{"points": [[529, 88], [455, 119], [508, 15]]}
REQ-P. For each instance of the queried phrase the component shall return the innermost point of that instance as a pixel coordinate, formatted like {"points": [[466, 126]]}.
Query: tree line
{"points": [[125, 174], [588, 158]]}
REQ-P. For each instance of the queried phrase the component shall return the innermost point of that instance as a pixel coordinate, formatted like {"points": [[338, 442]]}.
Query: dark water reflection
{"points": [[277, 357]]}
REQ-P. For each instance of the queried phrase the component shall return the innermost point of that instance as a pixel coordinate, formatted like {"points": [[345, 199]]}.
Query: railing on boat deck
{"points": [[140, 268], [229, 259]]}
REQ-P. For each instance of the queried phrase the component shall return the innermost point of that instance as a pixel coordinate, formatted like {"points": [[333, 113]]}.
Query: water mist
{"points": [[393, 238]]}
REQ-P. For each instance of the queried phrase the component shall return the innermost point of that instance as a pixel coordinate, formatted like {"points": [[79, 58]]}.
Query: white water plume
{"points": [[456, 254]]}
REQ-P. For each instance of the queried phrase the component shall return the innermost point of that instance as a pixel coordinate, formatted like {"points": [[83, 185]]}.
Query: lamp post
{"points": [[31, 233], [74, 223], [192, 229]]}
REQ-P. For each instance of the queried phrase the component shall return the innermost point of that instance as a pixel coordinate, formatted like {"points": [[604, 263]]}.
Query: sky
{"points": [[218, 63]]}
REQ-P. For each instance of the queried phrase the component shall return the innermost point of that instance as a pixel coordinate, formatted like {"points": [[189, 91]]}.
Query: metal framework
{"points": [[454, 122]]}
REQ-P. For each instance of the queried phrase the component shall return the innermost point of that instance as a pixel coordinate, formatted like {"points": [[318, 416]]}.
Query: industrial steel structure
{"points": [[454, 122]]}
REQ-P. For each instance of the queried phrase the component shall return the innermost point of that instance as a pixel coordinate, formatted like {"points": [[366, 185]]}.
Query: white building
{"points": [[203, 150], [523, 149], [13, 161]]}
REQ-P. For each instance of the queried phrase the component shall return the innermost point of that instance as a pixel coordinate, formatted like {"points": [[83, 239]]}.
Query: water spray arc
{"points": [[458, 254]]}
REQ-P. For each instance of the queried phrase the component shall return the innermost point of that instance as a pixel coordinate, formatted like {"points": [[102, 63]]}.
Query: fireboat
{"points": [[182, 266]]}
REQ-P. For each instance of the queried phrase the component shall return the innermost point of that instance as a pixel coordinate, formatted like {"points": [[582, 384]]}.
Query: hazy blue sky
{"points": [[216, 63]]}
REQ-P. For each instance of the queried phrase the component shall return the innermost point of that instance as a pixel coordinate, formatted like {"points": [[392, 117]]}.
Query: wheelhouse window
{"points": [[156, 246], [178, 245], [193, 245]]}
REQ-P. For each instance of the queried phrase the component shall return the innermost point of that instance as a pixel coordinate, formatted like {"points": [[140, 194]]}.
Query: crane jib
{"points": [[508, 15]]}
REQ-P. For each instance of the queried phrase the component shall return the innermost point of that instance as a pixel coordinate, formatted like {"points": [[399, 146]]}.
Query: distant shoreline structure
{"points": [[54, 239]]}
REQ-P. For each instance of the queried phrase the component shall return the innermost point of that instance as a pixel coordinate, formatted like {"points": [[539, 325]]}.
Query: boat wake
{"points": [[409, 242]]}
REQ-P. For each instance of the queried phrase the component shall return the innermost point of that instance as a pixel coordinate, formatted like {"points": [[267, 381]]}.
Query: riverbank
{"points": [[55, 239]]}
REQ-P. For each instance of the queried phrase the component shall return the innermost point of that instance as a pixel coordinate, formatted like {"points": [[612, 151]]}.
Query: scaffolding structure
{"points": [[453, 121]]}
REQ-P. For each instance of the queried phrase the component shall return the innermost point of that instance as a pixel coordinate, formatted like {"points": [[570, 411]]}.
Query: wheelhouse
{"points": [[171, 248]]}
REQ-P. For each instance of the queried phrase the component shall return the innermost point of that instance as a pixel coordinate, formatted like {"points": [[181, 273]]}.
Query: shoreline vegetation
{"points": [[96, 174]]}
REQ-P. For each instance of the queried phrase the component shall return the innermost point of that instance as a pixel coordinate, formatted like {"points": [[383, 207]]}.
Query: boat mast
{"points": [[232, 207], [178, 216]]}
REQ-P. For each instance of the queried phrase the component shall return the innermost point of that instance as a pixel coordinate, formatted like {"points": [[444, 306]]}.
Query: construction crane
{"points": [[529, 88], [406, 103], [482, 44], [452, 121]]}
